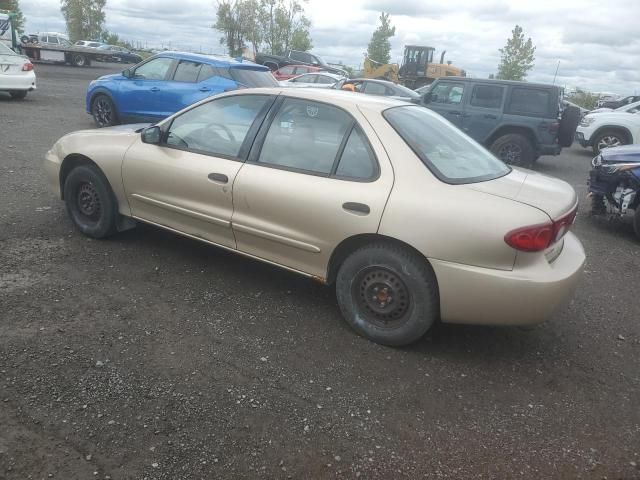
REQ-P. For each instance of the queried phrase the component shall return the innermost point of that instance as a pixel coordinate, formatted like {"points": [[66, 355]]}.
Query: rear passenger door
{"points": [[446, 99], [483, 110], [316, 175]]}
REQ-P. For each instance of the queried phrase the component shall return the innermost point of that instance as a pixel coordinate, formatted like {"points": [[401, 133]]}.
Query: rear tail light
{"points": [[554, 127], [536, 238], [27, 67]]}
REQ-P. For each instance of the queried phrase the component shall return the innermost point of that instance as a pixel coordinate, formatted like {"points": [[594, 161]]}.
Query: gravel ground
{"points": [[152, 356]]}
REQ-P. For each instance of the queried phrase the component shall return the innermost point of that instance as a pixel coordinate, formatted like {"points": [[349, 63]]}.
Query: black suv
{"points": [[517, 121]]}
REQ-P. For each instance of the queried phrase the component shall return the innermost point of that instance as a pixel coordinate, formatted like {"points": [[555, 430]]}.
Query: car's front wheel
{"points": [[388, 294], [90, 201], [514, 149], [103, 111], [608, 139], [18, 94]]}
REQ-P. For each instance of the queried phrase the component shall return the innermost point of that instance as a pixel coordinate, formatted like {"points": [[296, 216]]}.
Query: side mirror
{"points": [[152, 135], [126, 73]]}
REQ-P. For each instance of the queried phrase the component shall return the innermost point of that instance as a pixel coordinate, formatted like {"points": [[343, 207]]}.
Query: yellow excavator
{"points": [[417, 68]]}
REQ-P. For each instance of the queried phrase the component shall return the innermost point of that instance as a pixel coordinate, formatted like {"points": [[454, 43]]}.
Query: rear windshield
{"points": [[253, 78], [451, 155]]}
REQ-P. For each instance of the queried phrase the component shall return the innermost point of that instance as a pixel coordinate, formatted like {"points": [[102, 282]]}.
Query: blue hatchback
{"points": [[167, 83]]}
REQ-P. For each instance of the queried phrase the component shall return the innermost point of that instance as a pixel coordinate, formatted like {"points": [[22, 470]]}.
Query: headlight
{"points": [[586, 121], [92, 82]]}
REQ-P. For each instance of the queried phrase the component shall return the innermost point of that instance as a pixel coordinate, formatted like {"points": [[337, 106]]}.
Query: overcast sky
{"points": [[596, 42]]}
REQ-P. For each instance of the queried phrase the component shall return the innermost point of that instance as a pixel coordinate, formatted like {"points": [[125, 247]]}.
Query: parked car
{"points": [[47, 38], [614, 185], [296, 57], [613, 104], [608, 129], [166, 83], [412, 220], [630, 108], [88, 44], [380, 88], [313, 80], [517, 121], [120, 54], [291, 71], [16, 73]]}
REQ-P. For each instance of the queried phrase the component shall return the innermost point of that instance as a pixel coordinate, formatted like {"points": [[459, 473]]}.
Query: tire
{"points": [[607, 139], [25, 39], [18, 94], [387, 294], [80, 60], [568, 125], [90, 201], [103, 111], [636, 222], [514, 149]]}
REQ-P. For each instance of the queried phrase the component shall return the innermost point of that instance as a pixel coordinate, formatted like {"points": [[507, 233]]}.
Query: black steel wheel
{"points": [[388, 294], [103, 111], [90, 201]]}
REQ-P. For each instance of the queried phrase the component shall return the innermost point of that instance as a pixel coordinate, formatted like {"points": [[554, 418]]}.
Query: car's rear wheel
{"points": [[608, 139], [80, 60], [103, 111], [90, 201], [18, 94], [514, 149], [387, 294]]}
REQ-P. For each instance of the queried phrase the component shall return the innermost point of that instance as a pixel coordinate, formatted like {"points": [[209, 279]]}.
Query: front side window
{"points": [[447, 93], [487, 96], [375, 88], [287, 71], [325, 80], [218, 127], [155, 69], [304, 79], [451, 156], [187, 72], [305, 136]]}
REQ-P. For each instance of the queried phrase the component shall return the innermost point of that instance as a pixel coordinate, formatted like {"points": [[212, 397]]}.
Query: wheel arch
{"points": [[616, 128], [355, 242], [511, 129], [72, 161]]}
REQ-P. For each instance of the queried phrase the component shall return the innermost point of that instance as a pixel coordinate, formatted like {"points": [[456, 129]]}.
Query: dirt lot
{"points": [[155, 357]]}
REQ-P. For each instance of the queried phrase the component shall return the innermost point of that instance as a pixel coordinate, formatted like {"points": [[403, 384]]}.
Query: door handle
{"points": [[218, 177], [491, 116], [355, 207], [154, 89], [205, 89]]}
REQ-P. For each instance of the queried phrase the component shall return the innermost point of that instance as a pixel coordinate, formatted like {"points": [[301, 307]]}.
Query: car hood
{"points": [[614, 116], [551, 195], [624, 154], [113, 76]]}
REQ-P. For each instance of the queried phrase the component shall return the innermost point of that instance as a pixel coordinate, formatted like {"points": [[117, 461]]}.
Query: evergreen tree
{"points": [[517, 56], [379, 49], [14, 6]]}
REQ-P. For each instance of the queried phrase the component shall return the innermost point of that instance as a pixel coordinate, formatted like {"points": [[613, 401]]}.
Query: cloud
{"points": [[595, 42]]}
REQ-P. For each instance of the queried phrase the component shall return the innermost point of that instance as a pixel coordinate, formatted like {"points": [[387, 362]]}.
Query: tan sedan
{"points": [[413, 221]]}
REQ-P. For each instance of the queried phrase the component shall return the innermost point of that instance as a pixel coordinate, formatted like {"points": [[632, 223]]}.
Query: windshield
{"points": [[4, 50], [451, 156], [253, 78]]}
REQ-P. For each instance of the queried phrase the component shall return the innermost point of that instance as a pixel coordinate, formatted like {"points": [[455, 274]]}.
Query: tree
{"points": [[379, 49], [14, 6], [517, 56], [300, 40], [85, 18]]}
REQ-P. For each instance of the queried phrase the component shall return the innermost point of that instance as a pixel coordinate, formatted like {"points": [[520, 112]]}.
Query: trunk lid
{"points": [[551, 195], [11, 64]]}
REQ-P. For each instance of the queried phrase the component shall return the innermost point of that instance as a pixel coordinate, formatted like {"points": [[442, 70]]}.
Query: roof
{"points": [[503, 82], [215, 60], [339, 97], [372, 80]]}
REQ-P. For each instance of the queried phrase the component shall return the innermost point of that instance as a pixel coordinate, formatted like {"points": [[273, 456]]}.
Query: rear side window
{"points": [[530, 101], [375, 89], [325, 80], [253, 78], [287, 71], [187, 72], [206, 72], [487, 96], [305, 136], [357, 161], [450, 155]]}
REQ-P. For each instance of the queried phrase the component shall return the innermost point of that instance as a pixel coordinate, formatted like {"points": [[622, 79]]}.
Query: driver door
{"points": [[140, 96], [185, 183]]}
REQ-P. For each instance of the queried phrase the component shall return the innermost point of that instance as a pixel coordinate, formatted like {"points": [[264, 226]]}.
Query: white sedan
{"points": [[16, 73], [313, 80]]}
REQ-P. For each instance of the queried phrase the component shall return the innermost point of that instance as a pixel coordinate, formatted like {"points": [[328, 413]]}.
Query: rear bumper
{"points": [[553, 149], [26, 82], [526, 295]]}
